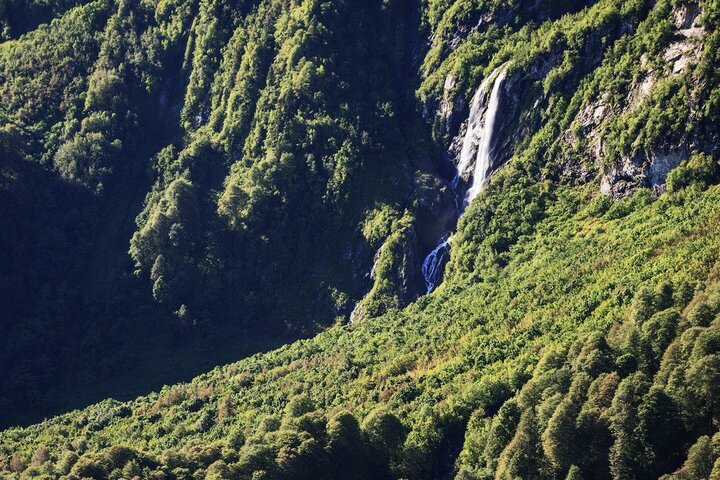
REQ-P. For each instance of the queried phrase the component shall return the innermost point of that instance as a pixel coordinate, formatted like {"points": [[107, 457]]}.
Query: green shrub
{"points": [[700, 170]]}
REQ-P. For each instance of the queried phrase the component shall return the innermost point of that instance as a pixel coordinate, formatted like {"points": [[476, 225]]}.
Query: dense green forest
{"points": [[185, 184]]}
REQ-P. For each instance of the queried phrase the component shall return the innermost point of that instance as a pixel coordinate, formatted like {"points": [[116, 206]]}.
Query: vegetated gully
{"points": [[474, 166]]}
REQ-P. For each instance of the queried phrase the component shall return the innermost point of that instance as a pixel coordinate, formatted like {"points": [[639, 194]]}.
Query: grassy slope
{"points": [[484, 330], [577, 274]]}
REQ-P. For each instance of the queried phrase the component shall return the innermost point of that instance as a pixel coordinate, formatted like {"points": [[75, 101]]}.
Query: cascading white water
{"points": [[433, 263], [473, 133], [477, 145], [483, 160]]}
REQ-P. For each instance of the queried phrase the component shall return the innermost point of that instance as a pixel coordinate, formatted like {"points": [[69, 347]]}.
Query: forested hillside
{"points": [[197, 180], [250, 159]]}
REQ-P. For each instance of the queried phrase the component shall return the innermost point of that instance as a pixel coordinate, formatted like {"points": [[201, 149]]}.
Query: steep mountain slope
{"points": [[250, 161], [574, 333], [601, 323]]}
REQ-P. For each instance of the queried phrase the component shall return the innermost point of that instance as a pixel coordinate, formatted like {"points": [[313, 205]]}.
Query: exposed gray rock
{"points": [[641, 90], [649, 170], [447, 107], [661, 163], [687, 20], [451, 106], [641, 169], [622, 178], [512, 96], [680, 55]]}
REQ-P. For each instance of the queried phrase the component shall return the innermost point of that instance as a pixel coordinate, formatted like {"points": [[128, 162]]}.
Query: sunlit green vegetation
{"points": [[600, 329], [221, 172]]}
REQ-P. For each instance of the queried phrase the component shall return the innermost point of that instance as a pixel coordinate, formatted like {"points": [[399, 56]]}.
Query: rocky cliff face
{"points": [[643, 167], [583, 143], [556, 90]]}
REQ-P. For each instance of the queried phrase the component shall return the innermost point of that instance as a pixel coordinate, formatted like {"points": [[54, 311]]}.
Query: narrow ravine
{"points": [[474, 166]]}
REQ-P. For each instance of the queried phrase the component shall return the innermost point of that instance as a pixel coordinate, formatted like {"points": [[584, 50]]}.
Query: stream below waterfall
{"points": [[478, 152]]}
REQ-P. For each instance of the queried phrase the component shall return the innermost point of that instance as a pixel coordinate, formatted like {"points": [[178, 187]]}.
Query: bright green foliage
{"points": [[266, 166], [260, 134], [468, 357], [700, 170]]}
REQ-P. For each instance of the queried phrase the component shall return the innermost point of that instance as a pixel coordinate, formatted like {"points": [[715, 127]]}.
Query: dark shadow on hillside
{"points": [[77, 326], [162, 364]]}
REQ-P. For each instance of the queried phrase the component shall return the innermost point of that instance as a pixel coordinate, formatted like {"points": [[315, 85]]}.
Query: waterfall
{"points": [[474, 129], [483, 160], [478, 146], [433, 263]]}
